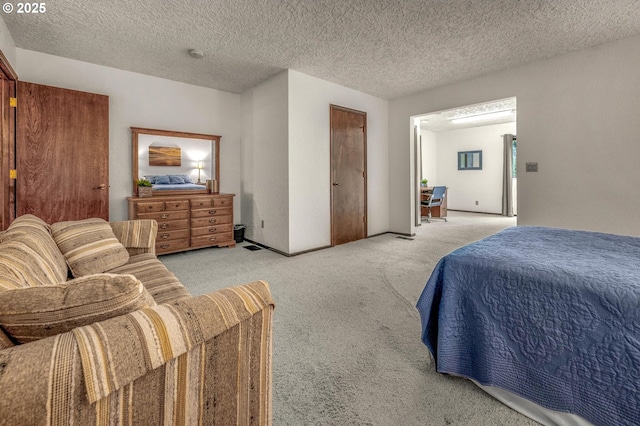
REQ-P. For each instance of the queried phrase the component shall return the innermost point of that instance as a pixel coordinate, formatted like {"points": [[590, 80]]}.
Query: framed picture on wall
{"points": [[469, 160]]}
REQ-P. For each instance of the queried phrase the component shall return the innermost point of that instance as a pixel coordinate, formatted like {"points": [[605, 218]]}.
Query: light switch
{"points": [[532, 167]]}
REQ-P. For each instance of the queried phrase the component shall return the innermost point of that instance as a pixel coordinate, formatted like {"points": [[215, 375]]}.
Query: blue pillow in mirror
{"points": [[176, 179], [151, 178], [162, 180], [187, 179]]}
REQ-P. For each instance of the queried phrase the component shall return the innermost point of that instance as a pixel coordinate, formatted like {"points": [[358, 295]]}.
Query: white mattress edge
{"points": [[532, 410]]}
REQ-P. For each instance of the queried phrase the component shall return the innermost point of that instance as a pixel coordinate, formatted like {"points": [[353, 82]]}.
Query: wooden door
{"points": [[348, 175], [7, 141], [62, 153]]}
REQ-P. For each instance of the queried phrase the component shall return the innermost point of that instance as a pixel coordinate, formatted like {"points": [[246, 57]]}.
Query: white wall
{"points": [[7, 45], [265, 177], [286, 162], [465, 187], [143, 101], [429, 156], [309, 160], [577, 117]]}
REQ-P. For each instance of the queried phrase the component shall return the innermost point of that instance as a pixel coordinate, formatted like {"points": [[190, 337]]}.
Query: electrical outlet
{"points": [[262, 224], [532, 167]]}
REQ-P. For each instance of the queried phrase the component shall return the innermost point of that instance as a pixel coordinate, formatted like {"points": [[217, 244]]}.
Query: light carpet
{"points": [[347, 348]]}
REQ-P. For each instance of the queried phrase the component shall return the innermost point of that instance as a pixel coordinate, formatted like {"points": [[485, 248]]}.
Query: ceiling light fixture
{"points": [[195, 53], [482, 117]]}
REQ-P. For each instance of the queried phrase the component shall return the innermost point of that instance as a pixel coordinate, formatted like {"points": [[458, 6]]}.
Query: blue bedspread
{"points": [[180, 187], [551, 315]]}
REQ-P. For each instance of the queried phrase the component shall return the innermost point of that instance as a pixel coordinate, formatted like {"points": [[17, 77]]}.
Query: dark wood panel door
{"points": [[349, 175], [62, 153]]}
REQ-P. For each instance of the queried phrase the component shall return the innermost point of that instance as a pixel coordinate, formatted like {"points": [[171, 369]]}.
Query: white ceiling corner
{"points": [[388, 49]]}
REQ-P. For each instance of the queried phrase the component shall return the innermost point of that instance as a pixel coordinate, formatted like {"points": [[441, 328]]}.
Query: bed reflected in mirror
{"points": [[175, 162]]}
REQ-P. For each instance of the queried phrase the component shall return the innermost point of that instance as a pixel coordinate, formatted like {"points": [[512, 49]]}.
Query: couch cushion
{"points": [[5, 341], [156, 278], [34, 313], [29, 236], [22, 267], [89, 246]]}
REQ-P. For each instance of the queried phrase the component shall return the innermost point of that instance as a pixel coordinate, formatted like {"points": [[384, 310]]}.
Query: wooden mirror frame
{"points": [[136, 131]]}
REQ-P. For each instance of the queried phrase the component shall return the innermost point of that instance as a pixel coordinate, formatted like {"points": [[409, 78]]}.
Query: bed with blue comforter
{"points": [[551, 315]]}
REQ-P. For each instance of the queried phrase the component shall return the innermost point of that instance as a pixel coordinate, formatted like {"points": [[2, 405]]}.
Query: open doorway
{"points": [[446, 140]]}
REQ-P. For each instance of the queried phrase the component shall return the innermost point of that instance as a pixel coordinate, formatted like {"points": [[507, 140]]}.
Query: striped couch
{"points": [[95, 330]]}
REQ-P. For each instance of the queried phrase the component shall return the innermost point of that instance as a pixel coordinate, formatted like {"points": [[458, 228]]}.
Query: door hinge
{"points": [[13, 174], [13, 102]]}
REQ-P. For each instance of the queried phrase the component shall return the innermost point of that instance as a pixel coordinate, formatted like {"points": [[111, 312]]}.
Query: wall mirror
{"points": [[175, 162]]}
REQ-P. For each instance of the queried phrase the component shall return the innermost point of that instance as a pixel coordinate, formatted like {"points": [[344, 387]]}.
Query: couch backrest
{"points": [[29, 256]]}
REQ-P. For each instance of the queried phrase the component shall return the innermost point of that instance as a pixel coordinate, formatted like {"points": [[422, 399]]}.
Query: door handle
{"points": [[101, 186], [337, 184]]}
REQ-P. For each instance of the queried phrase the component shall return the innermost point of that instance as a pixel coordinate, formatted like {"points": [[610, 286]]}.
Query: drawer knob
{"points": [[212, 211], [164, 236], [212, 220], [164, 216], [212, 229], [164, 226], [164, 246], [212, 239]]}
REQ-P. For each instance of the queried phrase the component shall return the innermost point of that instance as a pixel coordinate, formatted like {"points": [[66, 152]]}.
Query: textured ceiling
{"points": [[386, 48]]}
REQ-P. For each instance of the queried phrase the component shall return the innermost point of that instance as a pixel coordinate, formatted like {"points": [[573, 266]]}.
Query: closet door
{"points": [[348, 175], [62, 153]]}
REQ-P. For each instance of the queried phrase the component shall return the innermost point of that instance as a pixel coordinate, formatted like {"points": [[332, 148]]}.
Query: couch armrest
{"points": [[205, 360], [138, 236]]}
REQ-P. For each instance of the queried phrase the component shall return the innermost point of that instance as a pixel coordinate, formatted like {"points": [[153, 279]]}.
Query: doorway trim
{"points": [[7, 142], [333, 107]]}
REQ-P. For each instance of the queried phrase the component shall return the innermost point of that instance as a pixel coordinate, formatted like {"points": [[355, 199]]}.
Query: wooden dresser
{"points": [[187, 222]]}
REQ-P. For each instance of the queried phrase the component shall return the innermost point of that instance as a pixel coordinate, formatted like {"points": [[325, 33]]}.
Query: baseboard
{"points": [[470, 211], [285, 253], [404, 234], [320, 248]]}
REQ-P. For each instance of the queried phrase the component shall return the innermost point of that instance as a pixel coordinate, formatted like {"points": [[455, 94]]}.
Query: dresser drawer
{"points": [[223, 202], [172, 235], [164, 216], [201, 203], [209, 230], [176, 205], [209, 221], [171, 245], [151, 206], [211, 240], [171, 225], [210, 212]]}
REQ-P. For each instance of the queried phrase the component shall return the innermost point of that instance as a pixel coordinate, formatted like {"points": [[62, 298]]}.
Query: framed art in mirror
{"points": [[175, 162]]}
